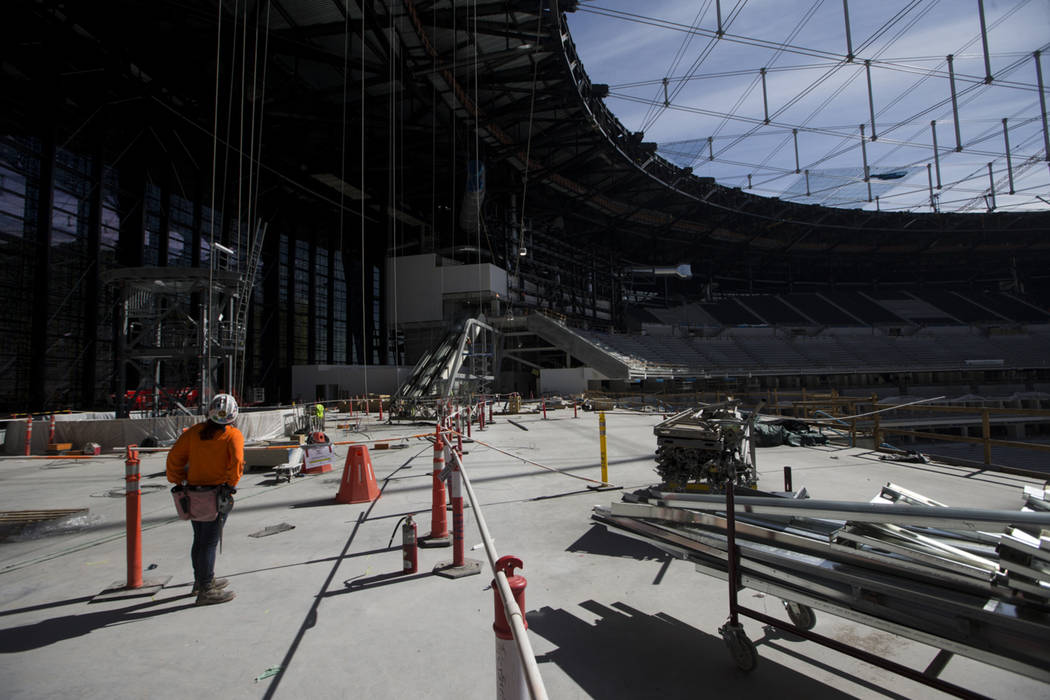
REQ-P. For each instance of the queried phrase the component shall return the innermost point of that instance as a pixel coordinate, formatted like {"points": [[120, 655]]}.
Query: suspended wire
{"points": [[255, 161], [342, 168], [848, 136], [205, 379], [392, 124], [364, 340], [776, 56], [704, 54], [885, 27], [678, 55], [836, 132], [528, 143], [479, 165], [240, 132], [399, 186], [893, 66], [832, 56]]}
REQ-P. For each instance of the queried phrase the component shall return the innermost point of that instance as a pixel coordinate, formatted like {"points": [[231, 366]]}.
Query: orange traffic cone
{"points": [[359, 481]]}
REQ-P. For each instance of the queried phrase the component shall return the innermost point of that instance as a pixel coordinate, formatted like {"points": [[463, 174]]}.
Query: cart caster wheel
{"points": [[802, 616], [740, 647]]}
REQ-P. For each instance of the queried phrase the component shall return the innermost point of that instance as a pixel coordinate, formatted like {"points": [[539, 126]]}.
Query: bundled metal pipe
{"points": [[947, 517]]}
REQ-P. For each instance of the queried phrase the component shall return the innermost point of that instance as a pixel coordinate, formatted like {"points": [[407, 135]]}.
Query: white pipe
{"points": [[510, 606]]}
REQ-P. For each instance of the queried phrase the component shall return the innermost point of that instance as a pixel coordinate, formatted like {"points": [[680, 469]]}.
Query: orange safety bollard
{"points": [[29, 434], [481, 415], [51, 431], [470, 419], [544, 405], [135, 586], [490, 411], [459, 432], [460, 566], [438, 536], [133, 507], [380, 409]]}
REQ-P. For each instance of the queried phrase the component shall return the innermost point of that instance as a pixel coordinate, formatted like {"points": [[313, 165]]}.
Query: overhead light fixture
{"points": [[523, 251], [223, 249]]}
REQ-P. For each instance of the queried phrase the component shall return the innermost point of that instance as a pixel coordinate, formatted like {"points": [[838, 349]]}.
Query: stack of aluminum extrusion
{"points": [[970, 581]]}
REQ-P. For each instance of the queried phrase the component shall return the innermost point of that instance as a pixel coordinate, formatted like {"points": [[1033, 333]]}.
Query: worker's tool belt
{"points": [[201, 503]]}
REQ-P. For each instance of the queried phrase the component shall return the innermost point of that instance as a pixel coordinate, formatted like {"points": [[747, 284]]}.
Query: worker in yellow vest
{"points": [[319, 408]]}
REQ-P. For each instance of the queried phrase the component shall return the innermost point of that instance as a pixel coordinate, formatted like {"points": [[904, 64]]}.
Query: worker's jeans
{"points": [[205, 543]]}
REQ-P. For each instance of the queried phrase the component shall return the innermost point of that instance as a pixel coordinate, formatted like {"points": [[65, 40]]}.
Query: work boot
{"points": [[213, 596], [216, 583]]}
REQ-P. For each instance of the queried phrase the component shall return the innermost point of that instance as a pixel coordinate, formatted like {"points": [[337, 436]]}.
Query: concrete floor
{"points": [[609, 617]]}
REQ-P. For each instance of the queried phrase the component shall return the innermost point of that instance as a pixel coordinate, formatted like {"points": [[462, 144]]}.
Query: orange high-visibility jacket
{"points": [[211, 462]]}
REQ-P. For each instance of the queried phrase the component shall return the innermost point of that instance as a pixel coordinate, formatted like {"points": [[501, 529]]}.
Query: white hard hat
{"points": [[222, 409]]}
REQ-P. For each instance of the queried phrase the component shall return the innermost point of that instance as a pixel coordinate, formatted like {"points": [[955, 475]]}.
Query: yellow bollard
{"points": [[605, 455]]}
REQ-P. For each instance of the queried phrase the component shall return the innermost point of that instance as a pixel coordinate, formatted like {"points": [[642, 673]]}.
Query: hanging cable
{"points": [[347, 335], [478, 172], [365, 341], [528, 142]]}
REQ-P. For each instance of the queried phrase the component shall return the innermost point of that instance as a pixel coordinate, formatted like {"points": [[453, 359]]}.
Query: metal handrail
{"points": [[510, 606]]}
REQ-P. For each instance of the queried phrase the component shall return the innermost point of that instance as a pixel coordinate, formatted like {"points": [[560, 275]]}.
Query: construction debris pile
{"points": [[711, 446], [969, 581]]}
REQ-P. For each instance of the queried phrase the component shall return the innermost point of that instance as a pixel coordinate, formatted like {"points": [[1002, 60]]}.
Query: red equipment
{"points": [[409, 549], [510, 674], [517, 584]]}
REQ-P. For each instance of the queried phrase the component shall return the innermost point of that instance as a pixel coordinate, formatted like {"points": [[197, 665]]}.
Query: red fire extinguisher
{"points": [[409, 548]]}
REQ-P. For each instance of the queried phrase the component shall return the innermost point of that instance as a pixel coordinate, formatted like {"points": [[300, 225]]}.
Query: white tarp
{"points": [[80, 429]]}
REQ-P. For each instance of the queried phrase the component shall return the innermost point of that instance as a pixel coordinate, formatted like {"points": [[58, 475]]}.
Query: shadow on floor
{"points": [[598, 540], [58, 629], [627, 653]]}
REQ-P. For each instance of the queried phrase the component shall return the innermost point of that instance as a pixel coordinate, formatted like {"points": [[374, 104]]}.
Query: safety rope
{"points": [[545, 467]]}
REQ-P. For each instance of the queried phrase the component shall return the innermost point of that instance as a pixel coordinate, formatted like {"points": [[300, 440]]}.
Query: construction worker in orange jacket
{"points": [[209, 454]]}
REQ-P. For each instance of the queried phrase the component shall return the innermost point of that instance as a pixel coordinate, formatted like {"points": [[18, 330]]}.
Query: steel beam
{"points": [[955, 102], [1009, 163], [1042, 104], [984, 43], [991, 200], [871, 99], [950, 518], [765, 99], [849, 36], [864, 158], [794, 134], [936, 153], [929, 177]]}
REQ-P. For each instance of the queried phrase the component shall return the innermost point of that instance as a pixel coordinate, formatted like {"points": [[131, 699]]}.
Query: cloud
{"points": [[618, 51]]}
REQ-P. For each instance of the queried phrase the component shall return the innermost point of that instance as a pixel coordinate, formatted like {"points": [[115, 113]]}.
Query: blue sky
{"points": [[715, 90]]}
